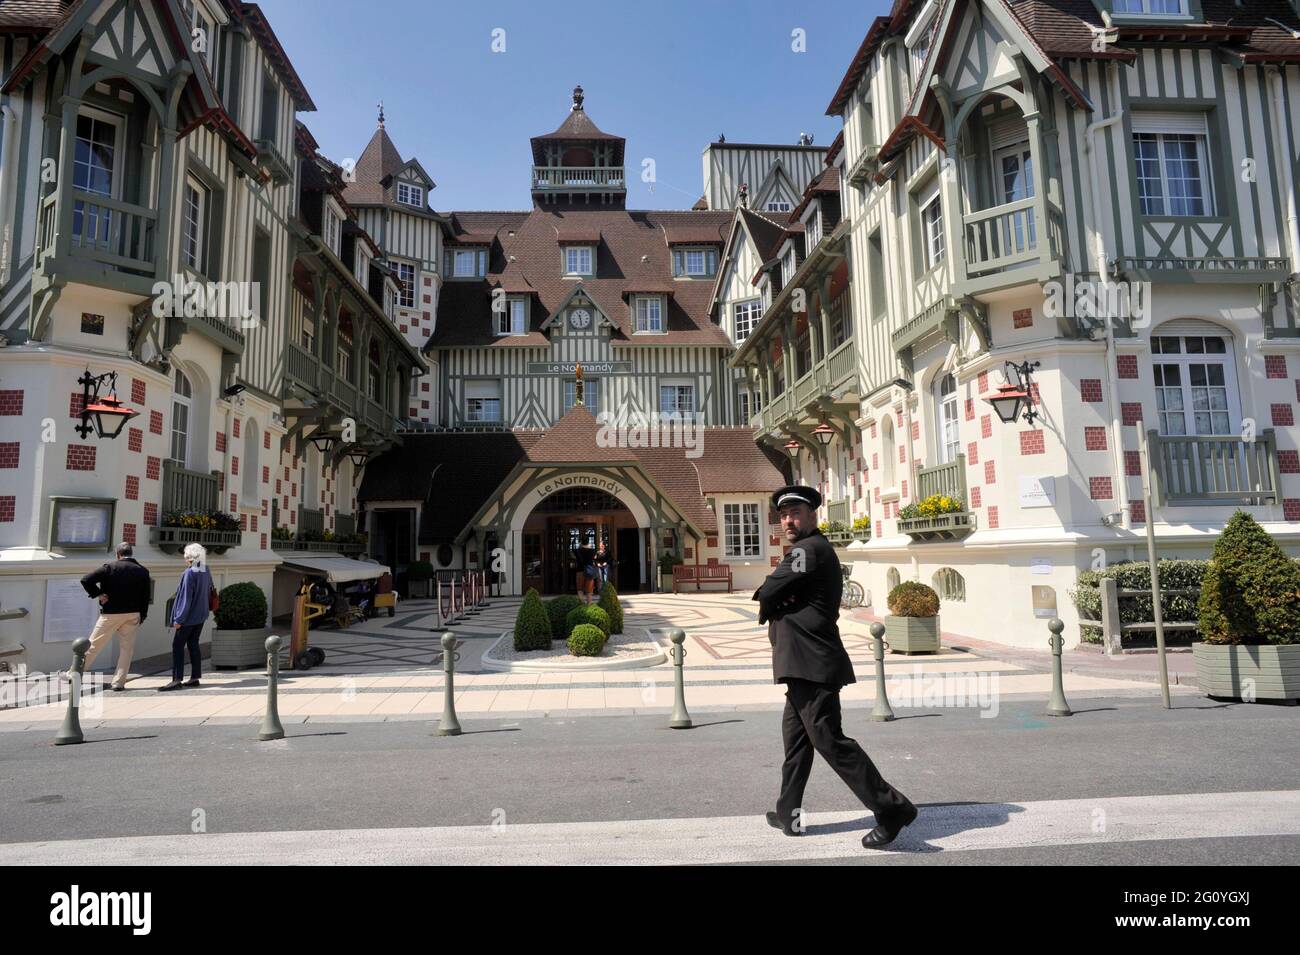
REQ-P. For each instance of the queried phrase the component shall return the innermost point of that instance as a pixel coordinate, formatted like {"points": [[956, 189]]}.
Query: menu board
{"points": [[82, 524], [69, 613]]}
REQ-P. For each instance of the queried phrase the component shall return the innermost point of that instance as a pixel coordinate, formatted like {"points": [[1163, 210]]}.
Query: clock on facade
{"points": [[580, 318]]}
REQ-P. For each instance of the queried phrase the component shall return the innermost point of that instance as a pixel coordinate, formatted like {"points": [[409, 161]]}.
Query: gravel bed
{"points": [[620, 649]]}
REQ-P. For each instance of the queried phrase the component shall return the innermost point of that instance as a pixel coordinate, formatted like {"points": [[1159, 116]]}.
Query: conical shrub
{"points": [[609, 603], [1251, 590], [532, 625]]}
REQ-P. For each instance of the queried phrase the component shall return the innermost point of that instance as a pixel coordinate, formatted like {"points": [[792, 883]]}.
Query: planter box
{"points": [[912, 634], [840, 538], [239, 648], [172, 540], [945, 527], [1267, 672]]}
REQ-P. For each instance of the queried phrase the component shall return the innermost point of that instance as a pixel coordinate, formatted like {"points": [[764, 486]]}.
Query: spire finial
{"points": [[577, 99], [381, 114]]}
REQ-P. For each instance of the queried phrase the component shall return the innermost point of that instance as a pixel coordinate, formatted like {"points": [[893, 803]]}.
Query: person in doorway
{"points": [[586, 558], [800, 603], [190, 609], [122, 588], [602, 563]]}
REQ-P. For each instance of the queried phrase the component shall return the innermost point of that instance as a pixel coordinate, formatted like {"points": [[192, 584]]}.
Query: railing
{"points": [[301, 364], [344, 391], [947, 479], [1227, 266], [838, 512], [345, 525], [806, 389], [107, 231], [929, 319], [568, 177], [310, 521], [841, 364], [1002, 236], [185, 490], [1219, 469]]}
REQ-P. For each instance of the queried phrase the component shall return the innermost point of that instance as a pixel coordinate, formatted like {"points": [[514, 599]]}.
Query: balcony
{"points": [[1005, 245], [109, 243], [1215, 470], [578, 179], [186, 491], [948, 480], [304, 368], [311, 521], [833, 376]]}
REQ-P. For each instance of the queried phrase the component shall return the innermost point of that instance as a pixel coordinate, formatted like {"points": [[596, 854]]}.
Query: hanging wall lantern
{"points": [[105, 416]]}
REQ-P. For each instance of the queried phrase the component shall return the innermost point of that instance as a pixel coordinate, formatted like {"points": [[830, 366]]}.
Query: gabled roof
{"points": [[374, 178], [573, 440], [252, 14], [33, 16]]}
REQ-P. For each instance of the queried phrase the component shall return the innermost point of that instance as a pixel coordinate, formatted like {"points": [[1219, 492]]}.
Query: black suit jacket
{"points": [[800, 602], [125, 583]]}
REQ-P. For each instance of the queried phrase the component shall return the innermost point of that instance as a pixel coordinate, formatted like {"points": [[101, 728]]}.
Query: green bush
{"points": [[558, 609], [587, 614], [586, 641], [667, 561], [419, 570], [912, 598], [243, 607], [532, 625], [609, 603], [1251, 591], [1136, 575]]}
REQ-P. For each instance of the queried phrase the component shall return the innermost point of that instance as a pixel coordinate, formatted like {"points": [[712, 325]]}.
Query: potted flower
{"points": [[217, 531], [1249, 617], [239, 639], [861, 528], [913, 624], [418, 575], [667, 561], [938, 517]]}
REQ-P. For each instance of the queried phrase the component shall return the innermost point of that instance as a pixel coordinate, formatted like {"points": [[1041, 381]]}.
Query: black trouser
{"points": [[186, 637], [812, 723]]}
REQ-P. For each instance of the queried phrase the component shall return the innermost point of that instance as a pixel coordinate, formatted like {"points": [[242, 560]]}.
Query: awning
{"points": [[337, 570]]}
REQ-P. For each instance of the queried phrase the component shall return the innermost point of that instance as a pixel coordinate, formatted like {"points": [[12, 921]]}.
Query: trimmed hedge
{"points": [[1251, 593], [609, 603], [1136, 575], [532, 625], [243, 607], [912, 598], [587, 614], [586, 641], [558, 609]]}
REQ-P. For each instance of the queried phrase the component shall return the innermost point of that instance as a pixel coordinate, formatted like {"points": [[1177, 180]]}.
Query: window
{"points": [[813, 230], [270, 121], [779, 205], [343, 365], [932, 230], [745, 316], [741, 536], [513, 319], [1153, 8], [1195, 385], [590, 394], [577, 260], [677, 399], [949, 584], [1171, 158], [743, 411], [483, 400], [95, 170], [182, 403], [892, 578], [695, 262], [876, 274], [787, 267], [248, 465], [405, 285], [888, 451], [372, 381], [194, 212], [332, 230], [466, 263], [919, 52], [946, 403], [208, 51], [649, 314], [409, 195]]}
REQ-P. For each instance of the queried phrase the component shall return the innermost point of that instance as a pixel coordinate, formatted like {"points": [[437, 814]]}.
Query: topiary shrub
{"points": [[1251, 591], [586, 641], [587, 614], [532, 625], [912, 598], [1136, 575], [609, 603], [243, 607], [558, 609], [418, 570]]}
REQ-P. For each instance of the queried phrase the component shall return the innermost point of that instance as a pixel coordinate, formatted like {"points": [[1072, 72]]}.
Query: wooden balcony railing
{"points": [[185, 490], [837, 512], [311, 520], [947, 479], [1218, 469], [578, 177], [840, 364], [107, 231], [345, 525], [1002, 236]]}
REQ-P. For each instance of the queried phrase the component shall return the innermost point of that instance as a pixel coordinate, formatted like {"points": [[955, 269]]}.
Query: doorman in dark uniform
{"points": [[800, 603]]}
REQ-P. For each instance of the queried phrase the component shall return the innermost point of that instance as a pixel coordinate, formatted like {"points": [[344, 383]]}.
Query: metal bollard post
{"points": [[1057, 706], [882, 712], [680, 720], [449, 725], [271, 726], [70, 731]]}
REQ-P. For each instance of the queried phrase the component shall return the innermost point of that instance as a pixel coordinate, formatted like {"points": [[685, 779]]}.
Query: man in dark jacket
{"points": [[122, 589], [800, 602]]}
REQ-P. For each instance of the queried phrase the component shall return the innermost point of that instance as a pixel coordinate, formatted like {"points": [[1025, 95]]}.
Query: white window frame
{"points": [[788, 267], [333, 226], [578, 256], [476, 257], [743, 406], [888, 452], [1162, 128], [194, 226], [947, 420], [409, 194], [648, 320], [750, 310], [513, 319], [933, 245], [1184, 359], [707, 259], [406, 289], [185, 401], [813, 230], [778, 205], [679, 389], [1144, 9], [742, 532], [483, 409], [590, 394], [343, 357]]}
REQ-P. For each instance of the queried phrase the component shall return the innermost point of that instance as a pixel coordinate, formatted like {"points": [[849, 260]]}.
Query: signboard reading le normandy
{"points": [[588, 367]]}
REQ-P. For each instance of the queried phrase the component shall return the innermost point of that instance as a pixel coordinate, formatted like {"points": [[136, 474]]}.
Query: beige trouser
{"points": [[124, 625]]}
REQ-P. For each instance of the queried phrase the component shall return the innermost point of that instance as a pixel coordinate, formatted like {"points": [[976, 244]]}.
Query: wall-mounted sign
{"points": [[69, 613], [1044, 600], [1037, 491], [563, 481], [1040, 566], [589, 368], [81, 523]]}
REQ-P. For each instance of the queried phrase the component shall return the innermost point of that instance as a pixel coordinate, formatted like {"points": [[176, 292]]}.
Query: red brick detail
{"points": [[774, 541], [1099, 488], [916, 431], [1127, 365], [81, 457], [138, 395], [243, 522], [278, 489], [135, 439], [902, 454], [153, 468], [234, 466], [266, 474], [155, 422], [1283, 415], [875, 460], [992, 517], [424, 404], [1130, 412], [235, 428], [221, 480], [252, 523], [76, 402], [221, 442], [1275, 366], [293, 489], [973, 453], [903, 490], [710, 542], [1297, 389], [877, 495], [986, 426], [132, 488], [266, 507], [1094, 438], [990, 473], [1288, 462], [414, 412], [266, 440], [975, 499], [128, 533], [898, 418], [263, 542], [1138, 512], [776, 561], [234, 503], [970, 409], [9, 452], [151, 514], [11, 402], [1291, 508], [1090, 390], [1022, 318], [984, 381], [1035, 395], [873, 424], [293, 515], [1132, 464], [424, 386], [8, 509], [713, 562], [1032, 442]]}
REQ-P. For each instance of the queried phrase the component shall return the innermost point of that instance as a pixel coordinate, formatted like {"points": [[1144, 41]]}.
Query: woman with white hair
{"points": [[190, 609]]}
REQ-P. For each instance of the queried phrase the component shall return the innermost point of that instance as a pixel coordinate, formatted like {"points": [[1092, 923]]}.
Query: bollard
{"points": [[271, 726], [680, 720], [882, 712], [449, 725], [1057, 706], [70, 731]]}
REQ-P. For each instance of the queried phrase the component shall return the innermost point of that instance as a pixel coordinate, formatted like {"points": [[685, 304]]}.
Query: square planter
{"points": [[912, 634], [239, 648], [1265, 672], [944, 527]]}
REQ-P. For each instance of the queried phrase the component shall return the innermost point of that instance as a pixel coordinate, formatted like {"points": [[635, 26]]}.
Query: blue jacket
{"points": [[191, 604]]}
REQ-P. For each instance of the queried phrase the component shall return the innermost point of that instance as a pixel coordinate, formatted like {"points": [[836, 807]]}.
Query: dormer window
{"points": [[513, 319], [409, 195], [205, 27], [649, 311], [465, 263], [778, 205], [1152, 8], [333, 225], [695, 263], [787, 267], [578, 260], [405, 285], [813, 229]]}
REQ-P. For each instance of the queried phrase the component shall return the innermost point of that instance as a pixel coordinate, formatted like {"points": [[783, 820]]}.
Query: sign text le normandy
{"points": [[588, 367]]}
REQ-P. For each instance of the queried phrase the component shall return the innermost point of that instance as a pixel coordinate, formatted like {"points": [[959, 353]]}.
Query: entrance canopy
{"points": [[337, 570]]}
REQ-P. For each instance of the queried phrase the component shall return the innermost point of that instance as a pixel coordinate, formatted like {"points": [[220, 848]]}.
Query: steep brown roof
{"points": [[33, 16], [574, 439], [767, 234], [373, 181], [695, 233], [732, 463]]}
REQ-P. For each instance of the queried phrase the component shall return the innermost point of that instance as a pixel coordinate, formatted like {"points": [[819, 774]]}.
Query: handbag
{"points": [[214, 599]]}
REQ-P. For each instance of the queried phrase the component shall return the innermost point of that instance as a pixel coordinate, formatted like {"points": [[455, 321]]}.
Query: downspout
{"points": [[1111, 358], [1288, 172], [7, 189]]}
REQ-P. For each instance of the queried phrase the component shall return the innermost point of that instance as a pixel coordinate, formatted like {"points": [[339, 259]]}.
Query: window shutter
{"points": [[1008, 134], [483, 388], [1192, 326], [1169, 121]]}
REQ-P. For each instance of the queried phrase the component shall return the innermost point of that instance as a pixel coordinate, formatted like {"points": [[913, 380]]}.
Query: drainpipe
{"points": [[1288, 174], [7, 188], [1112, 372]]}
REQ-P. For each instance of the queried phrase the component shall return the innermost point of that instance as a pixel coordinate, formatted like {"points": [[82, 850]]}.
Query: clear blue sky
{"points": [[667, 76]]}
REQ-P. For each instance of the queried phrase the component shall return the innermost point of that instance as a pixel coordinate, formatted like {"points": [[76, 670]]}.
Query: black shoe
{"points": [[888, 830], [191, 683], [173, 685], [776, 822], [118, 689]]}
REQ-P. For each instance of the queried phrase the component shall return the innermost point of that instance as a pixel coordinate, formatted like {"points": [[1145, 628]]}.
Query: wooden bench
{"points": [[701, 574]]}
